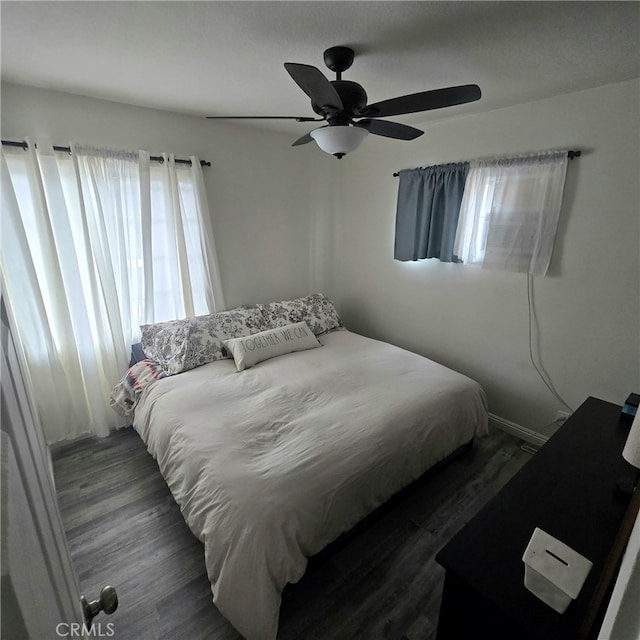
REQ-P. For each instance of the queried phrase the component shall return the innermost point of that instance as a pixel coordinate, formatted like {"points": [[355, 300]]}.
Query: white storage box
{"points": [[553, 571]]}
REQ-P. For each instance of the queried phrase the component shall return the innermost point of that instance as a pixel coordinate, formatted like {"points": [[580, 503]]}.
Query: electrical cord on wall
{"points": [[544, 376]]}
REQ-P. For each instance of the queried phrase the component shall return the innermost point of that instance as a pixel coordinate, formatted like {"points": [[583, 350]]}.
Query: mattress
{"points": [[270, 464]]}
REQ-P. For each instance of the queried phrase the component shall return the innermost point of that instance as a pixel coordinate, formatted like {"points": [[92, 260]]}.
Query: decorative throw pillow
{"points": [[180, 345], [250, 350], [316, 310]]}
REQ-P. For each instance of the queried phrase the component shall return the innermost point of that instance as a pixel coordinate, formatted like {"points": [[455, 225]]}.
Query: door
{"points": [[40, 592]]}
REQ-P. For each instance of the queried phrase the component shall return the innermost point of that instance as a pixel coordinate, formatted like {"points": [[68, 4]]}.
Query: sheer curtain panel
{"points": [[95, 243], [510, 210], [427, 211]]}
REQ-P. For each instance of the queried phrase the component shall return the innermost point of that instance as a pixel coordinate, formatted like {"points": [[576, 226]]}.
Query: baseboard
{"points": [[533, 437]]}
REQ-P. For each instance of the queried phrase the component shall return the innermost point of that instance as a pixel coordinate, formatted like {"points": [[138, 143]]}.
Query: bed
{"points": [[271, 464]]}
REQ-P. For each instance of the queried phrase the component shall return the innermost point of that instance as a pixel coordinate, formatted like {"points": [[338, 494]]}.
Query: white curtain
{"points": [[95, 243], [510, 210]]}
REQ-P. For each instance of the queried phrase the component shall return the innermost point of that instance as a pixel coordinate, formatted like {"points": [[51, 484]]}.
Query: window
{"points": [[509, 212], [95, 243]]}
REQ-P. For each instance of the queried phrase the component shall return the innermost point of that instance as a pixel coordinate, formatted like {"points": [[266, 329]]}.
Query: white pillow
{"points": [[249, 350]]}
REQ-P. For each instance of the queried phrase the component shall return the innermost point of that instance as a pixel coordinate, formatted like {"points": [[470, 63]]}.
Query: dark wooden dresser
{"points": [[566, 489]]}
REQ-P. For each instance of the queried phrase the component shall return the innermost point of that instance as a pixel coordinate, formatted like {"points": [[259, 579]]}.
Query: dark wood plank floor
{"points": [[125, 529]]}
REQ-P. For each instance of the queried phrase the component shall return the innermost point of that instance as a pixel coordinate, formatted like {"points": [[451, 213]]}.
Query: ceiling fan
{"points": [[343, 105]]}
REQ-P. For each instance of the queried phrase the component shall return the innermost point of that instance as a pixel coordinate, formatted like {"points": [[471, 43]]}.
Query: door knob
{"points": [[108, 602]]}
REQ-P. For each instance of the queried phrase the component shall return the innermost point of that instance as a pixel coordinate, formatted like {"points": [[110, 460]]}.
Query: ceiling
{"points": [[219, 58]]}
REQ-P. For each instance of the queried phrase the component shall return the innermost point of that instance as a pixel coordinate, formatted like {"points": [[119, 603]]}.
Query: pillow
{"points": [[137, 354], [250, 350], [316, 310], [127, 392], [180, 345]]}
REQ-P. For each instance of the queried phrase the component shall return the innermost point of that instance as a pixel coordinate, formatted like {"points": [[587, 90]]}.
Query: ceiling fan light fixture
{"points": [[339, 140]]}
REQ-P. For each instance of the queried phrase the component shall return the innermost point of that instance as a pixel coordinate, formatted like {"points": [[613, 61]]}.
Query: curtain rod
{"points": [[570, 154], [25, 146]]}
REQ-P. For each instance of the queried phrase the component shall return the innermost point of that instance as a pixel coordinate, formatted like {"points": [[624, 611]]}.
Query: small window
{"points": [[509, 212]]}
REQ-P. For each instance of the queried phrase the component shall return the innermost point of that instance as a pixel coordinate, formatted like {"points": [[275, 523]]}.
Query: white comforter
{"points": [[271, 464]]}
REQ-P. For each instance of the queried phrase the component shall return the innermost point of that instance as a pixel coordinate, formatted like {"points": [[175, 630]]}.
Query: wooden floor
{"points": [[125, 529]]}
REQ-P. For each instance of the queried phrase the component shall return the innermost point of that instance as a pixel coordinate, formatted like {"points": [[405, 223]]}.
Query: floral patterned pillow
{"points": [[180, 345], [316, 310]]}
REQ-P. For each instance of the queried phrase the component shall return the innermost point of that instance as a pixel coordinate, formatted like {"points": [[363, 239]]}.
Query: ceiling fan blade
{"points": [[424, 101], [305, 139], [296, 118], [390, 129], [314, 83]]}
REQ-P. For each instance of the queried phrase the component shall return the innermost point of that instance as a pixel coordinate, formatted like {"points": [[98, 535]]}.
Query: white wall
{"points": [[265, 197], [476, 320], [271, 209]]}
